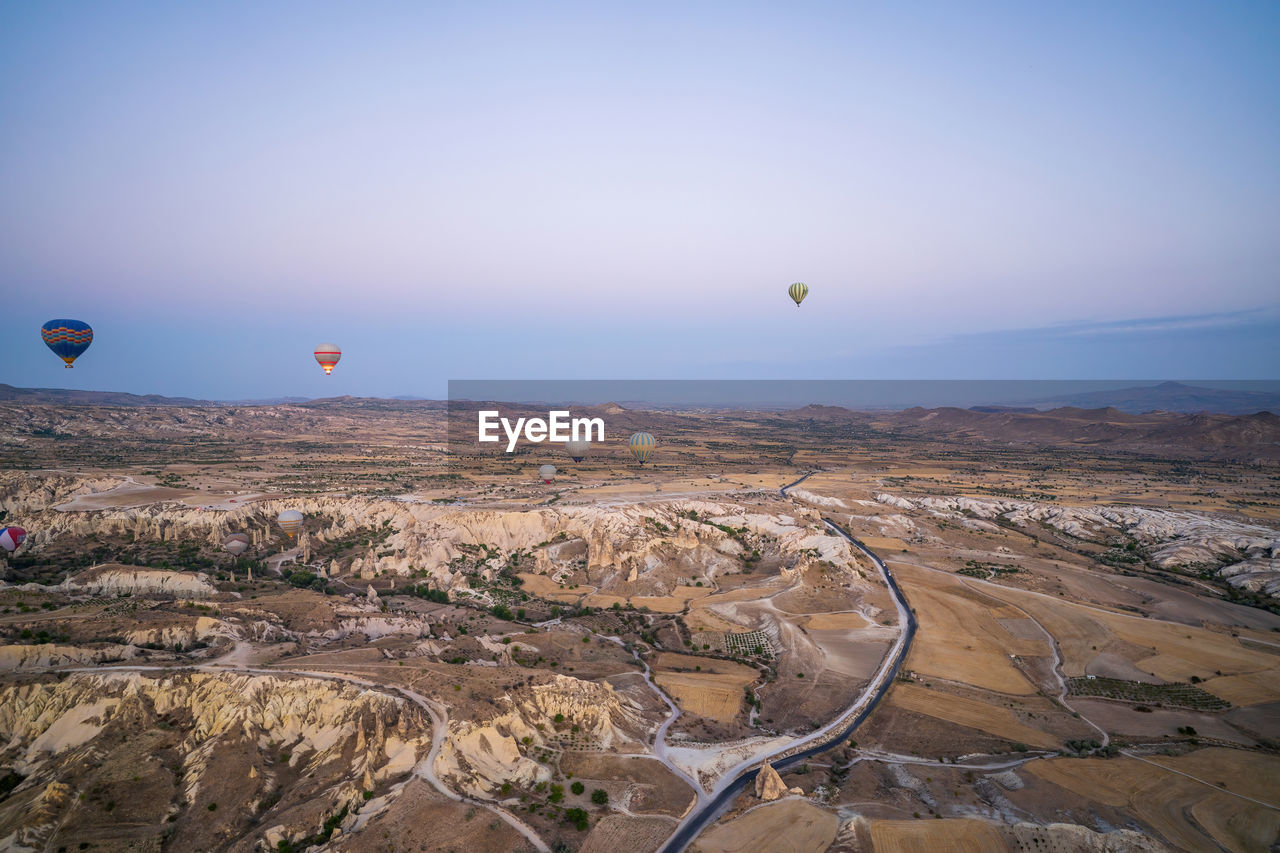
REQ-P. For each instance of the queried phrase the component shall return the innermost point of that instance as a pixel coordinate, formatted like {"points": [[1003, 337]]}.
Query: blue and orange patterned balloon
{"points": [[67, 338]]}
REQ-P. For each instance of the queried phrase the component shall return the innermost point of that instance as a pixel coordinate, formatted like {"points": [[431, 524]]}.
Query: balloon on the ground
{"points": [[327, 355], [67, 338], [577, 449], [642, 445], [547, 473], [11, 538], [236, 544], [290, 522], [798, 292]]}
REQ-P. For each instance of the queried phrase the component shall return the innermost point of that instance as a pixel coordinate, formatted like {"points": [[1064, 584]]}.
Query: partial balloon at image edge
{"points": [[12, 537]]}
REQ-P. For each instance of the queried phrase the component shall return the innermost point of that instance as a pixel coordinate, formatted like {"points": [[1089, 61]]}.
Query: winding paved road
{"points": [[736, 779]]}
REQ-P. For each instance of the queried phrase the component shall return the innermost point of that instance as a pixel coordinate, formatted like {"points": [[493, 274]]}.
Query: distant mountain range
{"points": [[1165, 397], [69, 397]]}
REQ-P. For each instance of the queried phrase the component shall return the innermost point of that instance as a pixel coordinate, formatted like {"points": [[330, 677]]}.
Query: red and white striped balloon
{"points": [[327, 355]]}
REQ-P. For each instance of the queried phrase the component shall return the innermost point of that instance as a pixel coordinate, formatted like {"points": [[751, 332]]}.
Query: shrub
{"points": [[577, 787], [600, 796]]}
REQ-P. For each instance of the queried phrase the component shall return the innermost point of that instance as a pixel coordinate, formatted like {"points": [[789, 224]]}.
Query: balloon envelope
{"points": [[11, 538], [236, 544], [67, 338], [290, 522], [642, 445], [547, 473], [578, 449], [798, 292], [327, 355]]}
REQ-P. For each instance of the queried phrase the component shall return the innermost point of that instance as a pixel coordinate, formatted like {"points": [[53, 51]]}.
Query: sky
{"points": [[596, 190]]}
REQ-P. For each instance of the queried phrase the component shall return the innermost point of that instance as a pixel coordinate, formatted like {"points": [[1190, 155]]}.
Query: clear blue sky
{"points": [[543, 190]]}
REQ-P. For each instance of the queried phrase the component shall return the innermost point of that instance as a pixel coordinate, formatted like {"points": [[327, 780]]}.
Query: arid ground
{"points": [[454, 655]]}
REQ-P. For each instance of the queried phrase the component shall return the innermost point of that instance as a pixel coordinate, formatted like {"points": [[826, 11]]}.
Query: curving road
{"points": [[708, 810]]}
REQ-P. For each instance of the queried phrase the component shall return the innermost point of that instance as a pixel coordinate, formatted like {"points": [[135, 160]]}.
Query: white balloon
{"points": [[290, 522]]}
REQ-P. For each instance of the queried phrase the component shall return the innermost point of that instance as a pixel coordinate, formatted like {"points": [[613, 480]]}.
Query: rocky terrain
{"points": [[182, 759], [1244, 555], [463, 657]]}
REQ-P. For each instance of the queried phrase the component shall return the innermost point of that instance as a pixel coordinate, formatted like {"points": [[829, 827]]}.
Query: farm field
{"points": [[968, 712], [1170, 802], [792, 825], [942, 836], [705, 686]]}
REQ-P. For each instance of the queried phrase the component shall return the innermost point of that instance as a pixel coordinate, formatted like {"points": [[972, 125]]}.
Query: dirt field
{"points": [[836, 621], [848, 656], [1121, 718], [1167, 650], [715, 692], [1256, 688], [455, 826], [545, 587], [623, 832], [673, 603], [884, 544], [1164, 800], [705, 619], [653, 788], [959, 638], [968, 712], [790, 826], [935, 836], [1108, 665], [604, 600]]}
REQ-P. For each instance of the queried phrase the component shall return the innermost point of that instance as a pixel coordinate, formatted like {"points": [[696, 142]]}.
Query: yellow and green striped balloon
{"points": [[642, 445], [798, 292]]}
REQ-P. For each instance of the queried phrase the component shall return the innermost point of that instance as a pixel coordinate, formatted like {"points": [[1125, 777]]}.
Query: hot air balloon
{"points": [[290, 522], [577, 449], [67, 338], [328, 355], [547, 473], [642, 445], [236, 544], [798, 292], [11, 538]]}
